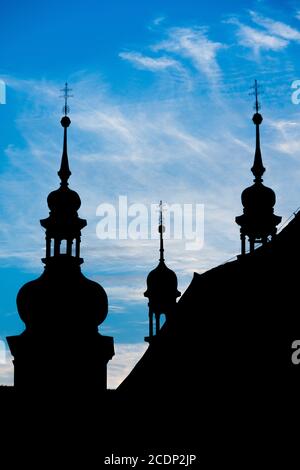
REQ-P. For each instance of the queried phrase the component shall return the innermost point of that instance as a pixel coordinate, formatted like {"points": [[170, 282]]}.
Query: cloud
{"points": [[287, 136], [185, 51], [257, 39], [157, 21], [193, 44], [126, 293], [276, 28], [179, 148], [149, 63], [271, 36], [126, 356], [6, 370]]}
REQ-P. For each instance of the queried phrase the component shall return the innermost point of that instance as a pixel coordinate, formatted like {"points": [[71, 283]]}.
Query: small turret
{"points": [[162, 289]]}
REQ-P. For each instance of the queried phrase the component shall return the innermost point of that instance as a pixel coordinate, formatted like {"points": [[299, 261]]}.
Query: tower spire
{"points": [[63, 226], [161, 230], [257, 169], [62, 304], [64, 172], [258, 222], [162, 285]]}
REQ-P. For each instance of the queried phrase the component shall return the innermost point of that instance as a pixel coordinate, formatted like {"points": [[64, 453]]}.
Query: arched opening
{"points": [[63, 247]]}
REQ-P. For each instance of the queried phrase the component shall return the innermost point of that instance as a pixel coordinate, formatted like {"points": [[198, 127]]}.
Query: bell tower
{"points": [[61, 348]]}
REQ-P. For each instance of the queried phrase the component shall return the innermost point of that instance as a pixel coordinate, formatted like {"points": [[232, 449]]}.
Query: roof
{"points": [[235, 323]]}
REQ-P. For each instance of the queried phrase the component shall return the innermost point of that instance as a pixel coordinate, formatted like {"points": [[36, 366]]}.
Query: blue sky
{"points": [[161, 110]]}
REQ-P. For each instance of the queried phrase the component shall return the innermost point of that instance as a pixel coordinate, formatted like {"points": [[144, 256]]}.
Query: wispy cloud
{"points": [[126, 356], [193, 44], [276, 28], [257, 39], [149, 63], [186, 51], [271, 35], [157, 21], [287, 136]]}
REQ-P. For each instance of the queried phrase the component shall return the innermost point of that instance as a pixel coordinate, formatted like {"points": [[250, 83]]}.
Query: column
{"points": [[150, 323]]}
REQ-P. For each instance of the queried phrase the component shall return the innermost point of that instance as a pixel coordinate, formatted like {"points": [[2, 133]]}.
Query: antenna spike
{"points": [[66, 95], [161, 230]]}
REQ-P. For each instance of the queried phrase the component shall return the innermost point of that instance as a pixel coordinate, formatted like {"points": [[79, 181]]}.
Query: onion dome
{"points": [[62, 300], [258, 198], [162, 283]]}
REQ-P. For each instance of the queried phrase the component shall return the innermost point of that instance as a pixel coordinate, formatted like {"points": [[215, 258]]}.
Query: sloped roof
{"points": [[236, 319]]}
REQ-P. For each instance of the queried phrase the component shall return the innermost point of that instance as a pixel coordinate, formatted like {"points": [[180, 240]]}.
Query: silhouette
{"points": [[162, 289], [258, 221], [62, 309], [218, 379]]}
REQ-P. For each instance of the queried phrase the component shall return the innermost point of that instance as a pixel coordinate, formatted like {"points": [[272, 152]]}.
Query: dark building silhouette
{"points": [[258, 221], [62, 309], [221, 373], [162, 289]]}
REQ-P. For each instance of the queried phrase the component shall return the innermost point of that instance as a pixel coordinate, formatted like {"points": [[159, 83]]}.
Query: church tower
{"points": [[162, 289], [258, 221], [61, 347]]}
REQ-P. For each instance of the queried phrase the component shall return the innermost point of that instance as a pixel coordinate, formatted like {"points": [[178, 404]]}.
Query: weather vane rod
{"points": [[256, 90], [160, 213], [257, 105], [66, 95]]}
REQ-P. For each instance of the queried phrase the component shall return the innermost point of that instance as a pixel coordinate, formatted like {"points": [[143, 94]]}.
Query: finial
{"points": [[257, 169], [257, 104], [161, 230], [64, 172], [66, 89]]}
